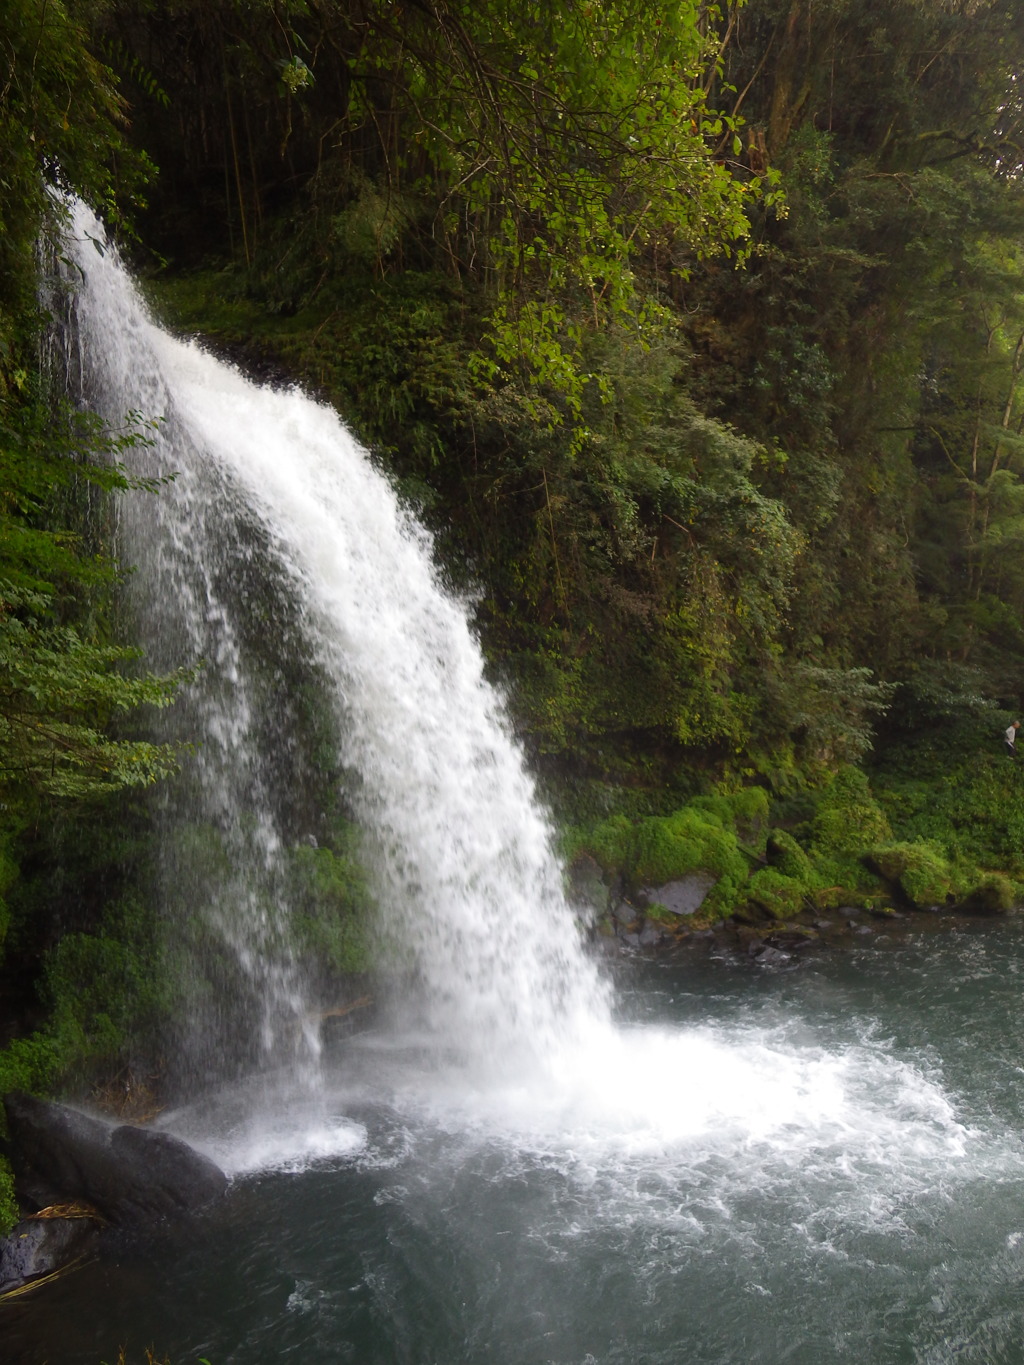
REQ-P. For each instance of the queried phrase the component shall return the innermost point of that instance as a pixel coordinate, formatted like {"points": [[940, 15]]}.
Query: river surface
{"points": [[813, 1162]]}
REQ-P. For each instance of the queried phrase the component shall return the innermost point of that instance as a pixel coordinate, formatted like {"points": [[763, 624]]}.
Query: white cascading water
{"points": [[460, 849], [270, 488]]}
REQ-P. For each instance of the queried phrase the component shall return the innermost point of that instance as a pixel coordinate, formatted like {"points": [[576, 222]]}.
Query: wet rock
{"points": [[750, 939], [751, 913], [772, 957], [587, 887], [862, 929], [131, 1175], [823, 924], [651, 936], [38, 1247], [682, 896], [793, 940], [624, 914]]}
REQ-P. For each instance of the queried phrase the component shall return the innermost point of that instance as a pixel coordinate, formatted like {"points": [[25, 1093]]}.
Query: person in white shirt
{"points": [[1011, 738]]}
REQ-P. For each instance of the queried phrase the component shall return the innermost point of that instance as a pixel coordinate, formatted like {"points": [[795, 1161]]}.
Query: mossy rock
{"points": [[784, 853], [666, 848], [661, 914], [607, 843], [995, 895], [847, 880], [920, 871], [773, 891]]}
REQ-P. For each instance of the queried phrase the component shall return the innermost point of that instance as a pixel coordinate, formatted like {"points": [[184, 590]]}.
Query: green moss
{"points": [[785, 854], [661, 914], [777, 893], [745, 809], [920, 870], [845, 879], [9, 1212], [664, 848], [30, 1064], [993, 895], [607, 842]]}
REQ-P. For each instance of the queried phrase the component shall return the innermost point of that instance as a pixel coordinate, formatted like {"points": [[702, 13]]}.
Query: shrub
{"points": [[848, 818], [30, 1064], [332, 905]]}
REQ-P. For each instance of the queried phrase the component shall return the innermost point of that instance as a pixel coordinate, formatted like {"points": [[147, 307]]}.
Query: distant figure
{"points": [[1011, 738]]}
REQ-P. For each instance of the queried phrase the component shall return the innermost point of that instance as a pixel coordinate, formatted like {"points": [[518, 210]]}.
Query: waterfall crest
{"points": [[283, 558]]}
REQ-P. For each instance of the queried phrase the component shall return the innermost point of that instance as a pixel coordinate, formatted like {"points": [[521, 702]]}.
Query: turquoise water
{"points": [[818, 1162]]}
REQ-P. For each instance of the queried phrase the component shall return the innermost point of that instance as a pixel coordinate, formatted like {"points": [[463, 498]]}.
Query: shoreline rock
{"points": [[126, 1176]]}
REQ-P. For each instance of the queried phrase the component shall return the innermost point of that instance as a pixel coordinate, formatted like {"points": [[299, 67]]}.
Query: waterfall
{"points": [[281, 557]]}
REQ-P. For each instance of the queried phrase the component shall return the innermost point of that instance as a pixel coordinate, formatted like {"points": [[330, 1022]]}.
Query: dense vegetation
{"points": [[695, 331]]}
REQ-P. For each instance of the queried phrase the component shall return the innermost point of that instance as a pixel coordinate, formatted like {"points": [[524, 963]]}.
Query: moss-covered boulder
{"points": [[666, 848], [994, 895], [845, 879], [785, 854], [919, 870], [774, 891]]}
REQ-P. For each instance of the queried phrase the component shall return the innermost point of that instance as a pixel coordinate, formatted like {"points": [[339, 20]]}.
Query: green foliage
{"points": [[955, 787], [9, 1212], [848, 818], [608, 842], [61, 122], [332, 904], [33, 1064], [106, 991], [57, 693], [540, 152]]}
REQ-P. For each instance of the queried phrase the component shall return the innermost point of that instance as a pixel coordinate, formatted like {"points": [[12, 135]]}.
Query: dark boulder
{"points": [[131, 1175], [40, 1247], [772, 957]]}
